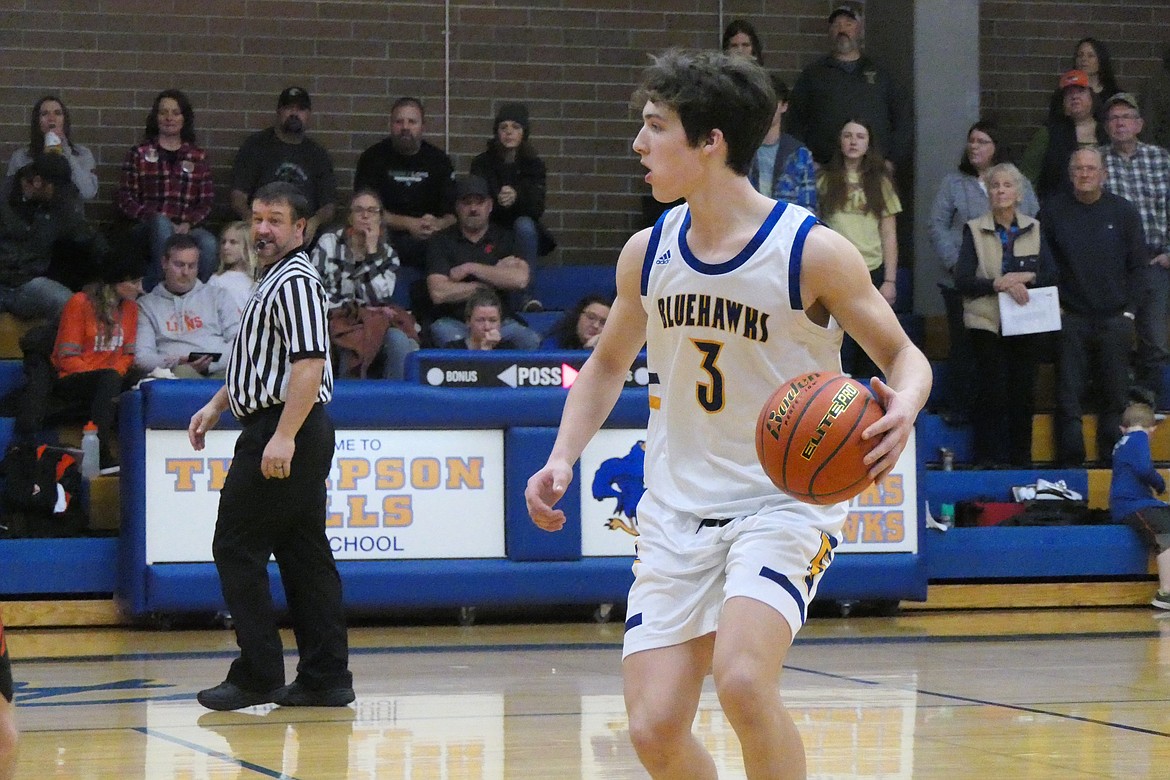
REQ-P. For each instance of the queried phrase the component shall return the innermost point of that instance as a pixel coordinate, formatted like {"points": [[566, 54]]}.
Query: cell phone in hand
{"points": [[193, 356]]}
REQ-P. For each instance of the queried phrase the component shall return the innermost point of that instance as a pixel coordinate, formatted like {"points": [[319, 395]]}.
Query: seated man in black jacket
{"points": [[41, 219]]}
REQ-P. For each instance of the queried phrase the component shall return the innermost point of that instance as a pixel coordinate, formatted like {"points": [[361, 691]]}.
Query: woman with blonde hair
{"points": [[237, 263], [94, 352]]}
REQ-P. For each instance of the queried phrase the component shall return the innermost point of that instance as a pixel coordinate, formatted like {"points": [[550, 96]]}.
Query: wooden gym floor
{"points": [[1065, 693]]}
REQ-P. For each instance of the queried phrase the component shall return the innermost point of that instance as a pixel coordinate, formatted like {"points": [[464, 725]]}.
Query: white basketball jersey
{"points": [[720, 339]]}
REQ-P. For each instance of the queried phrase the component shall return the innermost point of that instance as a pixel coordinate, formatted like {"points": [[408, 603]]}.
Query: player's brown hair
{"points": [[712, 90]]}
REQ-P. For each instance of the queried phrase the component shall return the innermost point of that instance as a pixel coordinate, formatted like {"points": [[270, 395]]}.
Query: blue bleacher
{"points": [[934, 433], [542, 321], [1013, 553], [560, 287], [405, 278]]}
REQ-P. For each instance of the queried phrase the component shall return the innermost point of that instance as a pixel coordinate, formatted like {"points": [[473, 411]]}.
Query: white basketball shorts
{"points": [[686, 569]]}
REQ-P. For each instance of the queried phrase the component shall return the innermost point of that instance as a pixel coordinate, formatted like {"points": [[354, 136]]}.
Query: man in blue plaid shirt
{"points": [[1140, 173]]}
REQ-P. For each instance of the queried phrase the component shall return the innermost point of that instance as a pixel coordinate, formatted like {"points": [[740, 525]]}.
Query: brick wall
{"points": [[573, 61]]}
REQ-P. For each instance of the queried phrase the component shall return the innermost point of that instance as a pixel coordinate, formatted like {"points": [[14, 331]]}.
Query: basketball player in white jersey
{"points": [[732, 293]]}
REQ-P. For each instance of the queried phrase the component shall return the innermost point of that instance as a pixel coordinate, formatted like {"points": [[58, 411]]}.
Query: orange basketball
{"points": [[808, 437]]}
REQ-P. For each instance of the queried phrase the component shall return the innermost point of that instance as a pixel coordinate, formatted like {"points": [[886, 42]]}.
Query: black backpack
{"points": [[1048, 512], [42, 492]]}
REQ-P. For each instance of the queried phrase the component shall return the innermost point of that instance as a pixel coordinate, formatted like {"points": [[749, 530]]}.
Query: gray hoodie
{"points": [[172, 326]]}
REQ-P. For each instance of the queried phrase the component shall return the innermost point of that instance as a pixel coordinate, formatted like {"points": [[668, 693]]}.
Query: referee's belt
{"points": [[251, 418], [268, 411]]}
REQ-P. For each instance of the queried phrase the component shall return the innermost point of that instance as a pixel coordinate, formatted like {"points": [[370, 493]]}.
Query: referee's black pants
{"points": [[259, 517]]}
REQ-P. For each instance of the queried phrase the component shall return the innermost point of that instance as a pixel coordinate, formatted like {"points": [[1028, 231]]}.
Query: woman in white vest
{"points": [[1003, 251]]}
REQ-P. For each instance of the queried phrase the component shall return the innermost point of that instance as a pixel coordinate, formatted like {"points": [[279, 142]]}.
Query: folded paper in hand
{"points": [[1040, 314]]}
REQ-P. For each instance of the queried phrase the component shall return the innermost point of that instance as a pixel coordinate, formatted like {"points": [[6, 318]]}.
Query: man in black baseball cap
{"points": [[284, 152], [847, 84], [294, 96], [472, 254], [471, 186], [845, 9]]}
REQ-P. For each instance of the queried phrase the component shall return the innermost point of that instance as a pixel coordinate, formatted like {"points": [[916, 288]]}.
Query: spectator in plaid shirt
{"points": [[1140, 173], [166, 185]]}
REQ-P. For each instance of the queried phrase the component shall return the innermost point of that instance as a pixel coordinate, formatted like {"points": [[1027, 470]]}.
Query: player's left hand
{"points": [[202, 422], [544, 490], [276, 462], [891, 432]]}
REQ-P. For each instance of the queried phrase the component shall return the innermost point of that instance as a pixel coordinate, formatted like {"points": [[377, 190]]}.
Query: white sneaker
{"points": [[1161, 600]]}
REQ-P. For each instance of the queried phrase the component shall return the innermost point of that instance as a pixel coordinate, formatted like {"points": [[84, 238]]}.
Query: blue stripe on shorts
{"points": [[783, 582]]}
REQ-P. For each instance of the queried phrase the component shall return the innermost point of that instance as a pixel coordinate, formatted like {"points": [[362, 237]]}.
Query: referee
{"points": [[273, 500]]}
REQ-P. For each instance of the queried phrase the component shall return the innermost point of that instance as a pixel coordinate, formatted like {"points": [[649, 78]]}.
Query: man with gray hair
{"points": [[1097, 241], [1140, 173]]}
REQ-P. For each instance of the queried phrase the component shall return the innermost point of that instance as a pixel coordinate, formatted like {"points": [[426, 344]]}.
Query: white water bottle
{"points": [[90, 451]]}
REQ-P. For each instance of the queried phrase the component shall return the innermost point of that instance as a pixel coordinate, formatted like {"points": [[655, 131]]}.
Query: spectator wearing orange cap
{"points": [[1046, 159]]}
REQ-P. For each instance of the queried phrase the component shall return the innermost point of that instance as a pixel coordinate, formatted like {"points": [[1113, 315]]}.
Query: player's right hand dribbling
{"points": [[544, 490]]}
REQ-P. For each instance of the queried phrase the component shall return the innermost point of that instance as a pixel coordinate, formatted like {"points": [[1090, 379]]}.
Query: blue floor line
{"points": [[555, 647]]}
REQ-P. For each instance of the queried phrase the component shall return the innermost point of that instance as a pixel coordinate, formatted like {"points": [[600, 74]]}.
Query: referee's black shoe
{"points": [[229, 696], [297, 695]]}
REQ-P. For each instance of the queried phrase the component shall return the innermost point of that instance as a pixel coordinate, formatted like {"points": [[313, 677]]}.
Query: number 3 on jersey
{"points": [[710, 394]]}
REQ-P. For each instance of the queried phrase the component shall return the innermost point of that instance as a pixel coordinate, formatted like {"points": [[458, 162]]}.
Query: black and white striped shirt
{"points": [[283, 321]]}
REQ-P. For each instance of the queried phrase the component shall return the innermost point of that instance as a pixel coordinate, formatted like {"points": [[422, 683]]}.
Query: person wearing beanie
{"points": [[414, 179], [517, 180]]}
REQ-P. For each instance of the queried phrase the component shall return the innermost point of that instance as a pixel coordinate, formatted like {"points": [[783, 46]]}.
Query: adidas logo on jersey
{"points": [[663, 258]]}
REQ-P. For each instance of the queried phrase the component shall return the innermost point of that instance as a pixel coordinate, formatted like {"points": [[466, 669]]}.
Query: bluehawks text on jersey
{"points": [[711, 311]]}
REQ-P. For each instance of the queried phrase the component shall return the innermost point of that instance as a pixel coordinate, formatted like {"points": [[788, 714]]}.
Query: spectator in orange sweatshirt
{"points": [[94, 351]]}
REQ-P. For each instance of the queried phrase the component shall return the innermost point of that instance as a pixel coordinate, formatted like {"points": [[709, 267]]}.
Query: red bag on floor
{"points": [[978, 514]]}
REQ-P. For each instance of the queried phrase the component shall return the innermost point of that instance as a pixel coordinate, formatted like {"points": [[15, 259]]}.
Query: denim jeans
{"points": [[527, 239], [39, 298], [395, 348]]}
